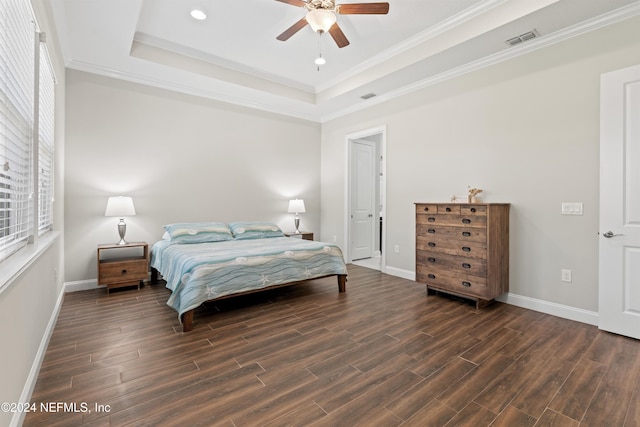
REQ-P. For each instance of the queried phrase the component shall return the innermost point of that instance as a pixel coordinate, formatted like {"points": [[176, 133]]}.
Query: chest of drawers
{"points": [[463, 249]]}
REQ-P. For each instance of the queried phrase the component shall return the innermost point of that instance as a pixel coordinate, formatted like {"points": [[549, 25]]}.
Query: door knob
{"points": [[370, 215], [610, 234]]}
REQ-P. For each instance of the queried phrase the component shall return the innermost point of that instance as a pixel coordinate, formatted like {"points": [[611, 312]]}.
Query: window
{"points": [[26, 148]]}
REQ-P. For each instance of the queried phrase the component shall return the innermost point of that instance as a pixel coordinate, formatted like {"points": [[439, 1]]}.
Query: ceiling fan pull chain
{"points": [[319, 60]]}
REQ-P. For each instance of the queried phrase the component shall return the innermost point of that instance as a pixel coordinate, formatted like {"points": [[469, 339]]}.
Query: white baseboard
{"points": [[32, 378], [547, 307], [80, 285], [83, 285], [399, 272]]}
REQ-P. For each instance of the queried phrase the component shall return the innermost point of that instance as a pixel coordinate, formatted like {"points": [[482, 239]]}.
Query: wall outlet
{"points": [[396, 249], [565, 275]]}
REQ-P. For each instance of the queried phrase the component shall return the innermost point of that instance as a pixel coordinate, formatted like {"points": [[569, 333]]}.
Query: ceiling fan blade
{"points": [[363, 8], [338, 36], [298, 3], [292, 30]]}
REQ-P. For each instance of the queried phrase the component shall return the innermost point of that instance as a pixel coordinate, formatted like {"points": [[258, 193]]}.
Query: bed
{"points": [[210, 261]]}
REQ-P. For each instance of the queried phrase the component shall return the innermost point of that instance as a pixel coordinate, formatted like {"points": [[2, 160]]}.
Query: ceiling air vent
{"points": [[522, 38], [368, 95]]}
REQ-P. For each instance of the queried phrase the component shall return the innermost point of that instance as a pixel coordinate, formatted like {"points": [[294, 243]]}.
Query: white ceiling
{"points": [[233, 55]]}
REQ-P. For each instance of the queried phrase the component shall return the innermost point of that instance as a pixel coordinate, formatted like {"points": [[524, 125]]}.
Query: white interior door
{"points": [[362, 199], [619, 281]]}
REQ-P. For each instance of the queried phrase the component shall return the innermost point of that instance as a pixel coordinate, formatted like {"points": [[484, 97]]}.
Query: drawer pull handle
{"points": [[465, 265], [426, 209], [448, 209], [431, 259], [466, 221], [466, 234], [466, 284], [431, 219], [124, 271], [432, 276], [466, 248], [431, 244], [431, 230], [473, 209]]}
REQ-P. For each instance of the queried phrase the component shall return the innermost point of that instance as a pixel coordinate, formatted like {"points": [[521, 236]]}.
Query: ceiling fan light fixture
{"points": [[198, 14], [320, 60], [321, 19]]}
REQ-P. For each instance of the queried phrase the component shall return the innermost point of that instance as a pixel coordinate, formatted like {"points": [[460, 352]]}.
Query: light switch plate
{"points": [[572, 208]]}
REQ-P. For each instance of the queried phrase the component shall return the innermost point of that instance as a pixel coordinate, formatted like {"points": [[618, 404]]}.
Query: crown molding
{"points": [[434, 31], [294, 109], [291, 111], [587, 26], [179, 49]]}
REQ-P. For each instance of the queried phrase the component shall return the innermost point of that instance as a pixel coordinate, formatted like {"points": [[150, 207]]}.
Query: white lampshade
{"points": [[296, 206], [320, 19], [120, 206]]}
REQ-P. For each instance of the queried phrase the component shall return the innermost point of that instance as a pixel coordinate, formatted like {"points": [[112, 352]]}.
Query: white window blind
{"points": [[17, 65], [46, 110]]}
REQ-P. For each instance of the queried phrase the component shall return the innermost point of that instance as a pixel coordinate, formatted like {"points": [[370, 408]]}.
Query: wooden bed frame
{"points": [[187, 317]]}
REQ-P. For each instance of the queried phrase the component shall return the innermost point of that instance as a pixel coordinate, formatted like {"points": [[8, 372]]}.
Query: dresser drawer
{"points": [[452, 233], [455, 283], [122, 271], [449, 209], [452, 263], [426, 208], [480, 210], [452, 247], [474, 221]]}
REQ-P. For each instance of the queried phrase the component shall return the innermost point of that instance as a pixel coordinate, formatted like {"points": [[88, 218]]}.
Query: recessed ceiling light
{"points": [[198, 14]]}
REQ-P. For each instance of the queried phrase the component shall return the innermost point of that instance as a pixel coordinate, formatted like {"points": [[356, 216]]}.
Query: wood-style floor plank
{"points": [[383, 353]]}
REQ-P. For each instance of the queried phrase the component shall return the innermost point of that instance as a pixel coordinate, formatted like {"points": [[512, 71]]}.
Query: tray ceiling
{"points": [[233, 56]]}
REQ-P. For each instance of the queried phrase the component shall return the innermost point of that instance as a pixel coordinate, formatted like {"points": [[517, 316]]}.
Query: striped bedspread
{"points": [[199, 272]]}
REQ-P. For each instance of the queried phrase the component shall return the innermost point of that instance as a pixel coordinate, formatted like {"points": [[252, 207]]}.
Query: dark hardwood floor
{"points": [[382, 354]]}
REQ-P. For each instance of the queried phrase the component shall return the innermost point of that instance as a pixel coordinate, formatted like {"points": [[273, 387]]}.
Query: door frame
{"points": [[382, 149]]}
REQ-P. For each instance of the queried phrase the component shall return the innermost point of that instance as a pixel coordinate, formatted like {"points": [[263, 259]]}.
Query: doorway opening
{"points": [[365, 198]]}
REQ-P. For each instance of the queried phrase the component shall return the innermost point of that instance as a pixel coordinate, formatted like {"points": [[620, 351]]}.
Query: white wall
{"points": [[526, 131], [181, 158]]}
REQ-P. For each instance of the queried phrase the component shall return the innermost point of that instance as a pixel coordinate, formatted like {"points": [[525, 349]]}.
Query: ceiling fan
{"points": [[321, 15]]}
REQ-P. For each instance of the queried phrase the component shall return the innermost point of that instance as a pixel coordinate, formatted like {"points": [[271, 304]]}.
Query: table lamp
{"points": [[296, 206], [120, 206]]}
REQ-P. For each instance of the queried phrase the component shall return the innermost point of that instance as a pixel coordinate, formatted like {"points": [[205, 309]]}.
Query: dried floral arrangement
{"points": [[473, 192]]}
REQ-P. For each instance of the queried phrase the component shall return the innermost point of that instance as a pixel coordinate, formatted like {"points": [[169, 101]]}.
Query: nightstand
{"points": [[305, 235], [123, 265]]}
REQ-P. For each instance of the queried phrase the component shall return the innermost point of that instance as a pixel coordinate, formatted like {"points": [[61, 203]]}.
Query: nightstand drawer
{"points": [[122, 271], [123, 265]]}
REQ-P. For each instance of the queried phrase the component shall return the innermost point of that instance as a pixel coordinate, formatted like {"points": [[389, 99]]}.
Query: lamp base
{"points": [[296, 221], [122, 230]]}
